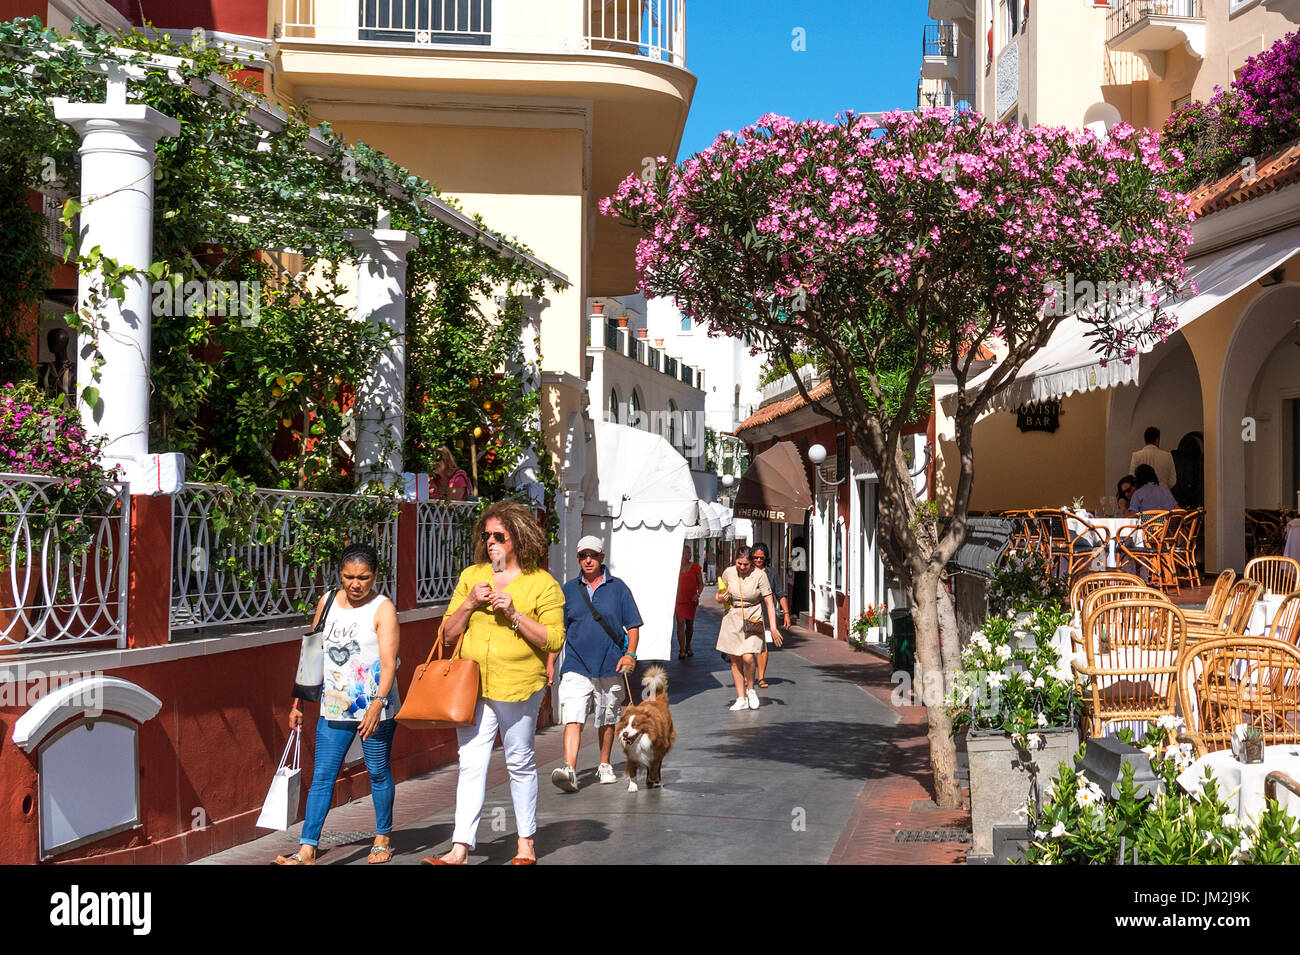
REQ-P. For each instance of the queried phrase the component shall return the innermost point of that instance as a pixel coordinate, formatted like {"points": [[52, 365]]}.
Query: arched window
{"points": [[634, 409], [611, 413]]}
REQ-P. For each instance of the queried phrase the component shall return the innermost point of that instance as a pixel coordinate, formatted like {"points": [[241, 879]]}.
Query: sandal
{"points": [[380, 854], [681, 655], [763, 684], [690, 652], [294, 859]]}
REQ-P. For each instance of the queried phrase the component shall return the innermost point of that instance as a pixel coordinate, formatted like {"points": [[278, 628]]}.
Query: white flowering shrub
{"points": [[1080, 826], [1018, 690], [1023, 582]]}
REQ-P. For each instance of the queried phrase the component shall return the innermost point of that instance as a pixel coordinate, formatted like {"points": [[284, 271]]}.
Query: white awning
{"points": [[714, 520], [639, 480], [1066, 364]]}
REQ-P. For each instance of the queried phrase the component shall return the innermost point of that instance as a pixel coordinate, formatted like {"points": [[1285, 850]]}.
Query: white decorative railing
{"points": [[63, 571], [443, 547], [245, 558], [655, 29]]}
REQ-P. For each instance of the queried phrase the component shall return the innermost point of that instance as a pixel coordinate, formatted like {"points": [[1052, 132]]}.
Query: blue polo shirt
{"points": [[587, 647]]}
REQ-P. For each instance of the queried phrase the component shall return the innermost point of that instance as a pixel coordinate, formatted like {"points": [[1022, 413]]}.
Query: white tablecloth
{"points": [[1261, 618], [1113, 526], [1241, 785], [1292, 548]]}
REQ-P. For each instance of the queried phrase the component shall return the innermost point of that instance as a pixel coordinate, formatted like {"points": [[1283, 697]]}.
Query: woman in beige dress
{"points": [[745, 590]]}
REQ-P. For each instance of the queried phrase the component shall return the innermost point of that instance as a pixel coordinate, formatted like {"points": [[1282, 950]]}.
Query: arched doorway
{"points": [[1259, 381]]}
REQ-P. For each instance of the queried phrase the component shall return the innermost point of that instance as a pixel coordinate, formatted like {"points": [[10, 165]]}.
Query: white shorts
{"points": [[578, 694]]}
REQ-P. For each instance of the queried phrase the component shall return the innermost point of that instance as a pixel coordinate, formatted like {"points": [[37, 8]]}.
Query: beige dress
{"points": [[752, 589]]}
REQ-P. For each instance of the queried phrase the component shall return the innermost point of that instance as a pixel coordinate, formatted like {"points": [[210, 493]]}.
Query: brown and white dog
{"points": [[645, 730]]}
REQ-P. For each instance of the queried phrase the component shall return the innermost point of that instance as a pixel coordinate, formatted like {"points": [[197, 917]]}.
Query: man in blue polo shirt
{"points": [[593, 662]]}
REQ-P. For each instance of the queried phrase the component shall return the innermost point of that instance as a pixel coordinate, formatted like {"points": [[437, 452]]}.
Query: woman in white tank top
{"points": [[360, 644]]}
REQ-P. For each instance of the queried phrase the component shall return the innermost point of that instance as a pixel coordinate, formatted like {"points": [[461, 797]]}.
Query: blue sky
{"points": [[863, 55]]}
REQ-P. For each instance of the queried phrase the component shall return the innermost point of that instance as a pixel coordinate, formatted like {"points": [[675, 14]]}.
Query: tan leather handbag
{"points": [[443, 693], [752, 628]]}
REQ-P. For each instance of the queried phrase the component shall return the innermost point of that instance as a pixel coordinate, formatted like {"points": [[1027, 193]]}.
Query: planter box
{"points": [[1001, 775]]}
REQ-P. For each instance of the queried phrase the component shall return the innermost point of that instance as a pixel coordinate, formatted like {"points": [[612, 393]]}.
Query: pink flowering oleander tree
{"points": [[896, 250]]}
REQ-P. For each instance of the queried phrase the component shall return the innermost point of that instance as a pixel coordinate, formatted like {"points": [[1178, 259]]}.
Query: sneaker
{"points": [[753, 698], [740, 704], [606, 773], [565, 778]]}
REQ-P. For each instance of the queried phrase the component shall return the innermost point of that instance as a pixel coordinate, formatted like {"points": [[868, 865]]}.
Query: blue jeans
{"points": [[333, 737]]}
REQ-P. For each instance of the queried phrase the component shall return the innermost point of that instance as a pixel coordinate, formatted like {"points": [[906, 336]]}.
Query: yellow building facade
{"points": [[1225, 389]]}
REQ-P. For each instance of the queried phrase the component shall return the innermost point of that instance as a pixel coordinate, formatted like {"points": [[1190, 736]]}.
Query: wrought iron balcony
{"points": [[655, 29], [1150, 28], [939, 47]]}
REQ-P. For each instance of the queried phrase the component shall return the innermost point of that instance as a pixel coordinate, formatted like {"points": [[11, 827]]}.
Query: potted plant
{"points": [[1022, 583], [1020, 709], [866, 627], [1252, 744]]}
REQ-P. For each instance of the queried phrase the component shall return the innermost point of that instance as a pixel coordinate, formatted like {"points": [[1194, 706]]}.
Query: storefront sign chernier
{"points": [[759, 514], [1043, 416]]}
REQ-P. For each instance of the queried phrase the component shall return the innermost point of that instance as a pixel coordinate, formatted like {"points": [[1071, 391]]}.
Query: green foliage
{"points": [[1079, 825], [1014, 685], [1022, 582], [777, 368], [268, 395]]}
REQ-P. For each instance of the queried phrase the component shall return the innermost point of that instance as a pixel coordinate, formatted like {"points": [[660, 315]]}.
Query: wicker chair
{"points": [[1153, 554], [1185, 543], [1091, 583], [1213, 612], [1132, 649], [1286, 622], [1233, 679], [1236, 612], [1024, 533], [1265, 532], [1054, 539], [1089, 605], [1279, 575], [1084, 543]]}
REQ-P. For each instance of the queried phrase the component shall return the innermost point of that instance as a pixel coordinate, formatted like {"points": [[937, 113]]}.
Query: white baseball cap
{"points": [[592, 543]]}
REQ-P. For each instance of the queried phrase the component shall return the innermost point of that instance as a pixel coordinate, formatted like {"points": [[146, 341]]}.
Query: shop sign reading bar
{"points": [[1042, 416]]}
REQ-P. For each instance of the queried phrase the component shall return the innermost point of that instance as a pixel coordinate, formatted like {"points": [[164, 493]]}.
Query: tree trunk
{"points": [[943, 752], [950, 636]]}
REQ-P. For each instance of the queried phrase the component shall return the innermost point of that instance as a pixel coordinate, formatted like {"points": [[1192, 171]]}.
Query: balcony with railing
{"points": [[942, 96], [1151, 28], [940, 43], [655, 29]]}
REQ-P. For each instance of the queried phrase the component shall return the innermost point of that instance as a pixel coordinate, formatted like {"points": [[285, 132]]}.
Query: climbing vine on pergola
{"points": [[248, 193]]}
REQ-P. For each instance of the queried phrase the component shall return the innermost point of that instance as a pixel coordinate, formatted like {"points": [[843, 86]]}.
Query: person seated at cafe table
{"points": [[1124, 492], [1149, 496]]}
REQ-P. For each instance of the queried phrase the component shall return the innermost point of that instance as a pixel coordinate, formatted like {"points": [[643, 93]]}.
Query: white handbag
{"points": [[280, 809]]}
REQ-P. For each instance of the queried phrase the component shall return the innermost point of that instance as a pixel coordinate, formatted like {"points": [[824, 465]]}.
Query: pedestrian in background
{"points": [[359, 696], [601, 628], [776, 580], [512, 615], [746, 591], [448, 482], [690, 584]]}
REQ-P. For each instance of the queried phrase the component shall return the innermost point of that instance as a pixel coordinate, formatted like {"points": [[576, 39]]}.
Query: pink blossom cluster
{"points": [[939, 209], [37, 437]]}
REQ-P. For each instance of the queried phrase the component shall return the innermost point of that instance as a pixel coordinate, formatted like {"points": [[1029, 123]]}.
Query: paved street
{"points": [[784, 784]]}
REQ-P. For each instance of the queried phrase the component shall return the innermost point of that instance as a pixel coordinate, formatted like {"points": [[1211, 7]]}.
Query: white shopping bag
{"points": [[280, 810]]}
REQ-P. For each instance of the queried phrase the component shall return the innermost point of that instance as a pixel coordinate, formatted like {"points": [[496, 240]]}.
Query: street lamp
{"points": [[817, 455]]}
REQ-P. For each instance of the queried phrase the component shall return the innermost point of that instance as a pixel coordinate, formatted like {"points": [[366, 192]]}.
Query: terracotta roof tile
{"points": [[1280, 169], [779, 409]]}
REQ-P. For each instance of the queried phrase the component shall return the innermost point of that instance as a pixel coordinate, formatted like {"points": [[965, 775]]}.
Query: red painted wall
{"points": [[213, 746], [247, 17]]}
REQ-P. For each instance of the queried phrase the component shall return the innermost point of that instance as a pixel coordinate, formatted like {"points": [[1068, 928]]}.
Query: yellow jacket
{"points": [[510, 668]]}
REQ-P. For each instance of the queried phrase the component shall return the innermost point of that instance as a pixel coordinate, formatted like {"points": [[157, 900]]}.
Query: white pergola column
{"points": [[117, 164], [381, 399]]}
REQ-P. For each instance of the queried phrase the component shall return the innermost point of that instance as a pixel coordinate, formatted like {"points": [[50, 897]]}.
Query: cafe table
{"points": [[1241, 785], [1114, 526]]}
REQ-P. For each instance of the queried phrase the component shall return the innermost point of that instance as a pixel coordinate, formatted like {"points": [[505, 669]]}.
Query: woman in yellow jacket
{"points": [[512, 614]]}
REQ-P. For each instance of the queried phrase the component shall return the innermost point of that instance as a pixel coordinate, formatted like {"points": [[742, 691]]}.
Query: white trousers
{"points": [[518, 725]]}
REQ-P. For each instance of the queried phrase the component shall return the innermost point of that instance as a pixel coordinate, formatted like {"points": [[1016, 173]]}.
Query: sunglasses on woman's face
{"points": [[497, 536]]}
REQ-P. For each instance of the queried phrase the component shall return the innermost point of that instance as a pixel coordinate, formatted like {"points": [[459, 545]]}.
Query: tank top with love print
{"points": [[351, 650]]}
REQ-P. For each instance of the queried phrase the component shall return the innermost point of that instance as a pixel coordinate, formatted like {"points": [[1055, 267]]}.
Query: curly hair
{"points": [[521, 524]]}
